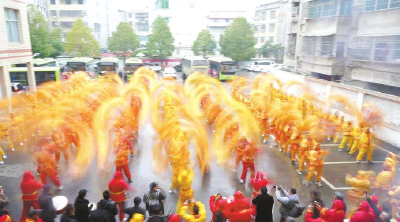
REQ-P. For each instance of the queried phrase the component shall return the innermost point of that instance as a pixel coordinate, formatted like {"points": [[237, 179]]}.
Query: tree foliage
{"points": [[204, 44], [238, 40], [123, 39], [80, 40], [269, 50], [161, 41], [43, 40]]}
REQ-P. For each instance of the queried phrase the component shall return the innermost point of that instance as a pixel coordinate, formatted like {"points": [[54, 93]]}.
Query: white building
{"points": [[41, 6], [139, 20], [218, 21], [102, 16], [15, 43], [271, 22]]}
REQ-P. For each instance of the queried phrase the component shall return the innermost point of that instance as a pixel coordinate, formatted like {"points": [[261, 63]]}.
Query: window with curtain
{"points": [[52, 2], [262, 28], [327, 45], [271, 27], [11, 17], [164, 4]]}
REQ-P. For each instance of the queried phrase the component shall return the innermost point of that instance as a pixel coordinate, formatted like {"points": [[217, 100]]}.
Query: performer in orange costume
{"points": [[70, 137], [123, 141], [331, 125], [295, 140], [240, 210], [306, 145], [47, 166], [286, 134], [118, 187], [240, 148], [29, 187], [248, 161], [317, 164], [122, 163], [59, 145]]}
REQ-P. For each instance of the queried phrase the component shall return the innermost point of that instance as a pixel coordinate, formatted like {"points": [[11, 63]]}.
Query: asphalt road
{"points": [[219, 180]]}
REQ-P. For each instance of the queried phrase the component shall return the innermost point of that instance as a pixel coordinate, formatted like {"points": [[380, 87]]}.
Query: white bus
{"points": [[194, 64]]}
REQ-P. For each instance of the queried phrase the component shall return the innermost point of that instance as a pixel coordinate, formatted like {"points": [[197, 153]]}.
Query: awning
{"points": [[320, 34]]}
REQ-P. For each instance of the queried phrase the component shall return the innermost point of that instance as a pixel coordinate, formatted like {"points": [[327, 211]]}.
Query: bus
{"points": [[194, 64], [42, 75], [222, 68], [49, 62], [131, 65], [109, 64], [81, 64]]}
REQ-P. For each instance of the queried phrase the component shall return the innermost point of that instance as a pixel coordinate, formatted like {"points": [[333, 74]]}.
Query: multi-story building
{"points": [[41, 6], [139, 19], [15, 43], [218, 21], [271, 22], [358, 40], [102, 16]]}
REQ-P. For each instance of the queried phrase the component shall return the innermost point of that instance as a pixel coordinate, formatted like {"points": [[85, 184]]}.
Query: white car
{"points": [[169, 72], [262, 66], [279, 66], [153, 66], [17, 88]]}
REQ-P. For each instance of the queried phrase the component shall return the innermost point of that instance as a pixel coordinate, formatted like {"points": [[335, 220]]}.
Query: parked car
{"points": [[17, 88], [279, 66], [153, 66], [262, 66], [169, 72], [249, 66], [178, 68]]}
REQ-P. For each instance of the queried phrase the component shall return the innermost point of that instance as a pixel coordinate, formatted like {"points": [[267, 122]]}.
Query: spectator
{"points": [[156, 195], [264, 203], [136, 209], [45, 200], [219, 217], [287, 200], [100, 214], [33, 216], [159, 216], [339, 196], [111, 207], [82, 208], [374, 198], [290, 219], [199, 212], [309, 214], [336, 214], [381, 215], [3, 209], [316, 197], [362, 214], [68, 215]]}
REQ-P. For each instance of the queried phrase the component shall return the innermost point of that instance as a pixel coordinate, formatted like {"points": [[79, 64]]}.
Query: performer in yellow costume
{"points": [[306, 145], [366, 147], [356, 139], [5, 134], [186, 192], [18, 128], [317, 164], [347, 129], [331, 125]]}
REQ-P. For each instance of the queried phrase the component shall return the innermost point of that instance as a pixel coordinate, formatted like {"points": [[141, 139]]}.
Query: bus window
{"points": [[44, 76], [199, 63], [228, 67], [21, 77]]}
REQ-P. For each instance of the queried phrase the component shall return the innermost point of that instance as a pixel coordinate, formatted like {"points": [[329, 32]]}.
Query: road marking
{"points": [[350, 162], [381, 148], [330, 144], [327, 183]]}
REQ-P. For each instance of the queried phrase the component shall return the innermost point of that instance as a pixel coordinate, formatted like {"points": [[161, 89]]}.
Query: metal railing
{"points": [[376, 49]]}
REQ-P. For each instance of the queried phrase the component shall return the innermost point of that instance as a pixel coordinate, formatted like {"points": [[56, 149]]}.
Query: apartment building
{"points": [[15, 43], [356, 42], [41, 6], [218, 21], [102, 16], [139, 20], [271, 22]]}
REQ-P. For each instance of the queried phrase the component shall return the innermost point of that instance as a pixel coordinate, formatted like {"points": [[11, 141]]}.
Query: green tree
{"points": [[269, 50], [43, 40], [80, 40], [204, 44], [238, 40], [123, 40], [161, 41]]}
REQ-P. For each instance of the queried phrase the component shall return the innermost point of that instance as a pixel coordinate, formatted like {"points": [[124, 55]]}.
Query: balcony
{"points": [[383, 49]]}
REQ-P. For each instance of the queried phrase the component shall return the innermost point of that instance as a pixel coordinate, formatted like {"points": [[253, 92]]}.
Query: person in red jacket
{"points": [[374, 198], [258, 182], [118, 187], [219, 204], [240, 210], [29, 187], [308, 217], [363, 214], [336, 214]]}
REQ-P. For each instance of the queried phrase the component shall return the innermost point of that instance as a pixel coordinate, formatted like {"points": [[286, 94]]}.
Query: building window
{"points": [[66, 24], [80, 2], [53, 13], [54, 24], [52, 2], [271, 27], [262, 40], [255, 28], [143, 38], [97, 27], [143, 27], [325, 8], [263, 15], [11, 17], [70, 13], [377, 5], [272, 14], [256, 38], [309, 43], [131, 23], [257, 15], [164, 4], [327, 45], [271, 39], [292, 44], [68, 2], [227, 20], [262, 28], [130, 15]]}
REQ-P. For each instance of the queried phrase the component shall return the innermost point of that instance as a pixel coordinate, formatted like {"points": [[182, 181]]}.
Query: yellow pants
{"points": [[365, 150], [345, 140], [354, 147], [336, 138], [303, 159], [285, 146], [1, 154], [318, 170]]}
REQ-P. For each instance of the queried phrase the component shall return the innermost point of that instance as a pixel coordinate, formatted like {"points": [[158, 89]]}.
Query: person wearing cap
{"points": [[118, 187], [111, 207], [68, 216], [45, 200], [156, 194], [82, 208], [29, 187], [136, 209], [33, 216]]}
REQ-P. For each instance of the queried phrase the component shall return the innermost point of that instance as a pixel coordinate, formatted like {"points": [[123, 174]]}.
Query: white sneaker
{"points": [[5, 156], [125, 220], [1, 162], [264, 141], [21, 143], [61, 187], [299, 172], [319, 184], [37, 173], [241, 181], [12, 149], [262, 134], [329, 139]]}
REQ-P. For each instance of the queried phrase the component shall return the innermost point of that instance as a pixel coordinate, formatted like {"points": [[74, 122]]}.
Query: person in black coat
{"points": [[100, 214], [316, 196], [82, 209], [45, 201], [111, 207], [264, 203], [68, 216], [136, 209]]}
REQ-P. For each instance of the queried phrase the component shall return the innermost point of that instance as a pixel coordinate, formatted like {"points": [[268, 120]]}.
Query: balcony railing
{"points": [[376, 49]]}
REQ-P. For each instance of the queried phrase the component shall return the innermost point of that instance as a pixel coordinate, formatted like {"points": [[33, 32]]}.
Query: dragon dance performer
{"points": [[18, 128], [5, 134], [357, 130], [248, 161], [306, 145], [317, 164], [295, 140], [240, 150], [118, 187], [219, 204], [47, 166], [29, 187], [240, 209], [366, 147], [122, 163], [59, 145], [347, 129], [70, 137], [331, 125]]}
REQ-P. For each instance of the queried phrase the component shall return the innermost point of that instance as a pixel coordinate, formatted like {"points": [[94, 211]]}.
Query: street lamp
{"points": [[36, 54]]}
